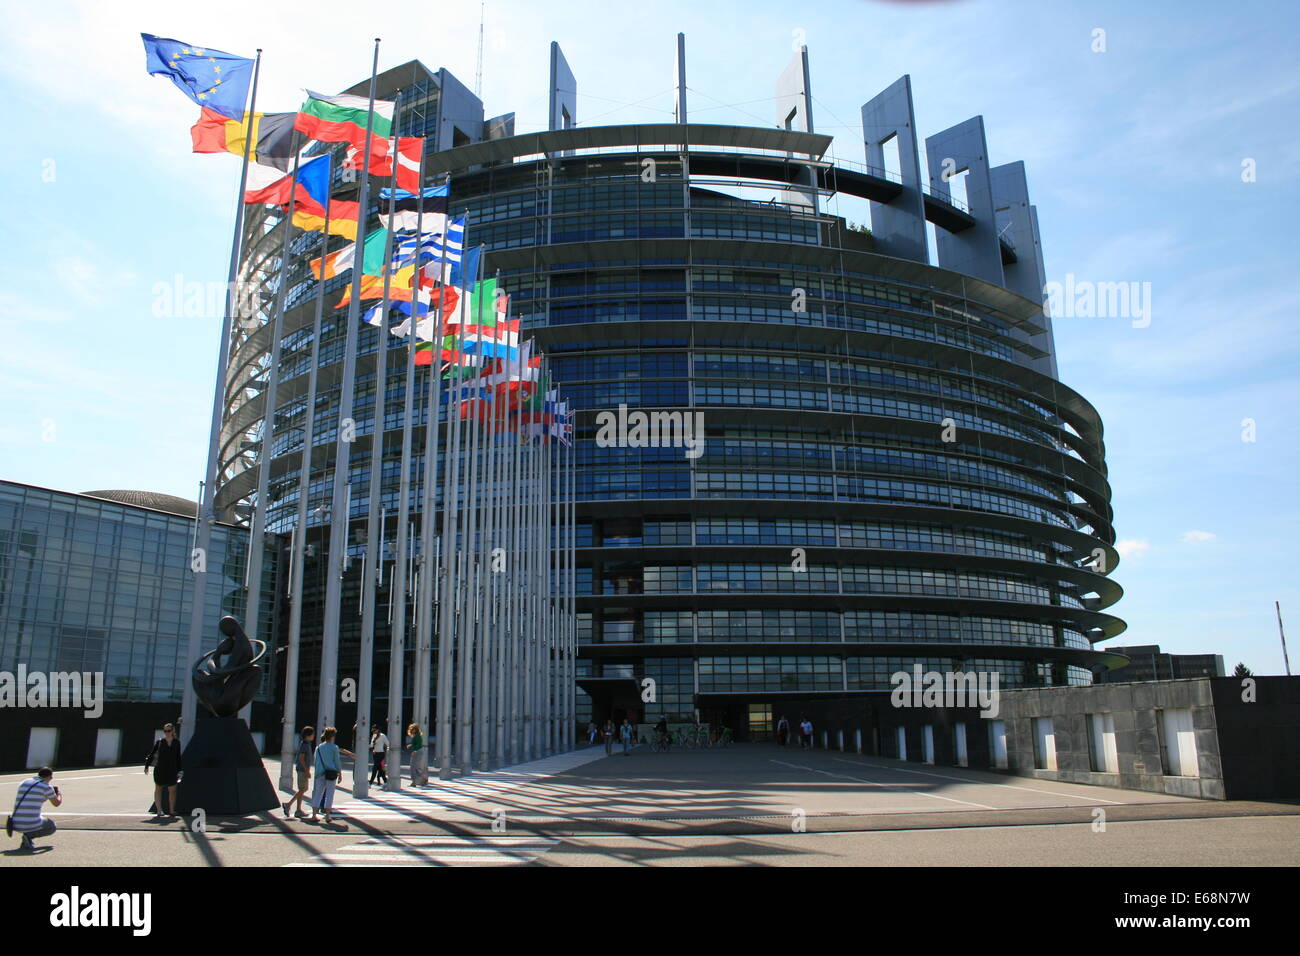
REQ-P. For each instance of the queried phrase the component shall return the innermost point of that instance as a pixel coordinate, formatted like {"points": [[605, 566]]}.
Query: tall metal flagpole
{"points": [[374, 553], [468, 700], [450, 691], [431, 563], [266, 447], [207, 512], [451, 570], [339, 519], [400, 585], [288, 733], [513, 577]]}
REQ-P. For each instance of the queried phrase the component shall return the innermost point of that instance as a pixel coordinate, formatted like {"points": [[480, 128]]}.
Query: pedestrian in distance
{"points": [[627, 732], [165, 758], [805, 734], [26, 818], [782, 731], [329, 768], [303, 758], [379, 753], [609, 738], [419, 756], [591, 733]]}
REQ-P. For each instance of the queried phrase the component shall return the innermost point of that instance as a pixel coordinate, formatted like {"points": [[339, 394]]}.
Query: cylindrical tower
{"points": [[890, 472]]}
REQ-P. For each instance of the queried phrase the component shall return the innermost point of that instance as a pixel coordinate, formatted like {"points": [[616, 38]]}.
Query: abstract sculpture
{"points": [[227, 679], [223, 769]]}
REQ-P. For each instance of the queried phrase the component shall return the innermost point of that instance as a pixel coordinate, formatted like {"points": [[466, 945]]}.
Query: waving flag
{"points": [[342, 119], [382, 157], [272, 137], [212, 79]]}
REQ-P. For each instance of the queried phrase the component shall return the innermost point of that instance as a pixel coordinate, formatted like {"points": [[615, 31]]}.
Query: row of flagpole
{"points": [[490, 587]]}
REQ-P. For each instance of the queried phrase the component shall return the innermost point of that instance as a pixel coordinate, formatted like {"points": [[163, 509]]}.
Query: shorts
{"points": [[304, 780]]}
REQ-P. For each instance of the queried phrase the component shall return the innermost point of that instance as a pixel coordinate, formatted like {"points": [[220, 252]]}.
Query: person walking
{"points": [[329, 768], [419, 756], [782, 731], [591, 733], [609, 738], [165, 758], [378, 754], [26, 818], [805, 734], [627, 732], [303, 759]]}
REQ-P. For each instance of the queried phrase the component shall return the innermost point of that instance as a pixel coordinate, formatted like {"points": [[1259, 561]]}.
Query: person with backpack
{"points": [[165, 758], [26, 818], [329, 768]]}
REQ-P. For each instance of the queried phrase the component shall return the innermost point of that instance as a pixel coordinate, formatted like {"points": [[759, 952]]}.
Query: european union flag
{"points": [[210, 78]]}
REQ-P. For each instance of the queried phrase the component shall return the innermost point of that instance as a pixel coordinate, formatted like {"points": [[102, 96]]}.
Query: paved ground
{"points": [[748, 804]]}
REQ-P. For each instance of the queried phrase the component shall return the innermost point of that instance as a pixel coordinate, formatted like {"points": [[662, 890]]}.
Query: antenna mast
{"points": [[478, 73]]}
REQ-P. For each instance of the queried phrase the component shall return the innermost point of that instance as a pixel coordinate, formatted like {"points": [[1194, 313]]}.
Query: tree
{"points": [[1241, 670]]}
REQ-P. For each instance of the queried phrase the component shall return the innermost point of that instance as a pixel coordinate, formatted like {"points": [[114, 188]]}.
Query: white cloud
{"points": [[1199, 537], [1132, 547]]}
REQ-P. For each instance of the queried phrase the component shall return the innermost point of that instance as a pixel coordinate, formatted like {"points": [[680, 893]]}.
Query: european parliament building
{"points": [[892, 471]]}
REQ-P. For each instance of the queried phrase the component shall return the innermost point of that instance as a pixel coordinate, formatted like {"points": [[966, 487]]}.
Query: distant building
{"points": [[1148, 662], [98, 585]]}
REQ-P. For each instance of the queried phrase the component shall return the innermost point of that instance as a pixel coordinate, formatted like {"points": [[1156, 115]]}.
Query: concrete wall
{"points": [[1246, 749]]}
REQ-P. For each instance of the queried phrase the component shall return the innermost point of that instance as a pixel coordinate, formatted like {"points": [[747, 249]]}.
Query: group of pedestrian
{"points": [[323, 762], [805, 733], [612, 734]]}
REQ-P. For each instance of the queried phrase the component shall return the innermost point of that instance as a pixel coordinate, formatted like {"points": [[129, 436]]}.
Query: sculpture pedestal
{"points": [[223, 772]]}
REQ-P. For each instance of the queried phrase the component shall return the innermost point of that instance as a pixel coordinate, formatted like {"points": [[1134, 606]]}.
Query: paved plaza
{"points": [[745, 804]]}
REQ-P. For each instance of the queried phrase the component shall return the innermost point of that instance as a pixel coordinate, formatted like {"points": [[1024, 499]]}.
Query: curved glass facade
{"points": [[893, 420]]}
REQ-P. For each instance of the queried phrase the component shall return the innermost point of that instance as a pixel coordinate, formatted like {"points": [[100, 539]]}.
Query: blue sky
{"points": [[1134, 157]]}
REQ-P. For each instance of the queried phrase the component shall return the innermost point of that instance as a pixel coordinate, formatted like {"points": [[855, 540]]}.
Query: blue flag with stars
{"points": [[210, 78]]}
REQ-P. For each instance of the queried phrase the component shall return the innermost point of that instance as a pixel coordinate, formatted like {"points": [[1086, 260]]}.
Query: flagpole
{"points": [[206, 514], [512, 577], [374, 553], [339, 520], [288, 735], [396, 662], [430, 584], [570, 691], [266, 447], [451, 690]]}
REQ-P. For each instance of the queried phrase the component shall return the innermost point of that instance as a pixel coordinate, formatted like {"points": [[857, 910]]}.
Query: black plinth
{"points": [[223, 771]]}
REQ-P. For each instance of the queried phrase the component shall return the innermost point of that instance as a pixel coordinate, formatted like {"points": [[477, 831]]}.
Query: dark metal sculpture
{"points": [[223, 769], [227, 679]]}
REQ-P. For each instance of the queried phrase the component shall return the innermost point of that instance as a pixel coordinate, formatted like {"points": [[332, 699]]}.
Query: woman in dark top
{"points": [[166, 761]]}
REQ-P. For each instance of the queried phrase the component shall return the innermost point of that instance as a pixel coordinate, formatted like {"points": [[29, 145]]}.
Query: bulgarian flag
{"points": [[342, 119]]}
